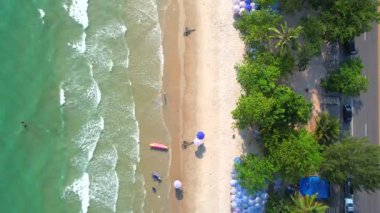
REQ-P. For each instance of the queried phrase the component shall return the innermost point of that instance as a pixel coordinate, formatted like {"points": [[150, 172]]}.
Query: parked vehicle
{"points": [[347, 113], [349, 48], [349, 205]]}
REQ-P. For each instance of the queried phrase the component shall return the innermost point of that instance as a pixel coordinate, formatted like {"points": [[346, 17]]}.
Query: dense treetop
{"points": [[355, 158]]}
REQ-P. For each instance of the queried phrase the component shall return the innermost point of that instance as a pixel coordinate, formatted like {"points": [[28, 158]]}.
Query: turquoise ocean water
{"points": [[85, 77]]}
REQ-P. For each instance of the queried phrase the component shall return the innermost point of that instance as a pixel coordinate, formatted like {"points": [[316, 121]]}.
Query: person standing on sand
{"points": [[185, 144]]}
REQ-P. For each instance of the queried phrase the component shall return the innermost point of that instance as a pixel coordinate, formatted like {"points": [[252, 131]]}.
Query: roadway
{"points": [[365, 120]]}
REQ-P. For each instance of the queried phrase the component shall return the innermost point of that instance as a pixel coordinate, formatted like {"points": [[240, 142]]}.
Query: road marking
{"points": [[365, 36], [365, 129]]}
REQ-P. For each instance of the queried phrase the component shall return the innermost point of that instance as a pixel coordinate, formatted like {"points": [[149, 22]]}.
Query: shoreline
{"points": [[201, 90], [170, 21]]}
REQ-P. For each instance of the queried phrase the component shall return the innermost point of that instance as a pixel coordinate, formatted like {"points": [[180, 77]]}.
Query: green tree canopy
{"points": [[312, 35], [278, 202], [291, 6], [297, 157], [307, 204], [345, 19], [254, 173], [347, 79], [328, 129], [252, 109], [287, 62], [265, 3], [354, 158], [285, 37], [283, 109], [312, 38], [254, 27], [290, 108], [260, 74]]}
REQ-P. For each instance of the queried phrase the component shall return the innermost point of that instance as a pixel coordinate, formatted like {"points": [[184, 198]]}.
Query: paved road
{"points": [[366, 109]]}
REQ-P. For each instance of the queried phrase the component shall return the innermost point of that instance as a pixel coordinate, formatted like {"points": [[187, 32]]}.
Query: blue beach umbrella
{"points": [[248, 7], [248, 1], [200, 135]]}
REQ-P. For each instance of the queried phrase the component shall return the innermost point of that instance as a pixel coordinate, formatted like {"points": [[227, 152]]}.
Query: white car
{"points": [[349, 205]]}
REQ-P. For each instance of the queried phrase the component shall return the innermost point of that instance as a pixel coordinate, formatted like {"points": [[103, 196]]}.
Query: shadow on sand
{"points": [[200, 151], [179, 194], [251, 142]]}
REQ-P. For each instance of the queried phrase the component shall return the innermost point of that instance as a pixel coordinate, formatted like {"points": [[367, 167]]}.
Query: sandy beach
{"points": [[201, 90]]}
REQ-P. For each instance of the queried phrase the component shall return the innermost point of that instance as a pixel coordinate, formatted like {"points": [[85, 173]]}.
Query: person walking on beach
{"points": [[187, 31], [185, 144]]}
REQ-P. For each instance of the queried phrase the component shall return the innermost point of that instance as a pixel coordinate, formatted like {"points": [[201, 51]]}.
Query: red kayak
{"points": [[158, 146]]}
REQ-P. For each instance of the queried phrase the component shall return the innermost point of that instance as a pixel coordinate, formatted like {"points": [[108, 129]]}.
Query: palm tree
{"points": [[328, 130], [307, 204], [286, 37]]}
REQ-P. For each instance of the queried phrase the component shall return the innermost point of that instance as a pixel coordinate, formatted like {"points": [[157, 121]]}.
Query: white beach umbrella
{"points": [[236, 9], [177, 184], [264, 196], [198, 142], [236, 2], [233, 182], [233, 204], [242, 4], [257, 200], [233, 190]]}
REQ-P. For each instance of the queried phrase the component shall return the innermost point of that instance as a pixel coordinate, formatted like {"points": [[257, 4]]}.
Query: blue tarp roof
{"points": [[315, 184]]}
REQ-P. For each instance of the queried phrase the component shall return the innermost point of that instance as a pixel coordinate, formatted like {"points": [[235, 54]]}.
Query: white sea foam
{"points": [[80, 188], [99, 51], [79, 45], [62, 99], [77, 10], [87, 140], [94, 93], [42, 15], [105, 182]]}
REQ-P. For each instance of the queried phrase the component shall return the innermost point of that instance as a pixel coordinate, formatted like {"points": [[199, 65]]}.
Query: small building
{"points": [[315, 184]]}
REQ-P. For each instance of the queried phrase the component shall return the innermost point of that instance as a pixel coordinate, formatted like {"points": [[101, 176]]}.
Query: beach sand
{"points": [[201, 91]]}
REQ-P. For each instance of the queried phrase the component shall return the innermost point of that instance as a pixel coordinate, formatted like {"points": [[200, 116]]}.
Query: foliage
{"points": [[303, 59], [328, 129], [254, 27], [254, 173], [346, 19], [354, 158], [312, 35], [282, 109], [265, 3], [290, 108], [291, 6], [251, 110], [278, 203], [260, 74], [297, 157], [307, 204], [287, 62], [348, 79], [286, 37]]}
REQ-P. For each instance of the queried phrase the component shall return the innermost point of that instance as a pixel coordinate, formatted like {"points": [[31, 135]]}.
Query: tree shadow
{"points": [[200, 151], [357, 104], [251, 141], [179, 194]]}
